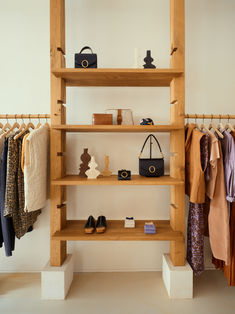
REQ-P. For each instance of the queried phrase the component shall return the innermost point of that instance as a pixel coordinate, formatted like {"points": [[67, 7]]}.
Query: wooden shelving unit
{"points": [[113, 180], [74, 231], [118, 128], [117, 77], [63, 230]]}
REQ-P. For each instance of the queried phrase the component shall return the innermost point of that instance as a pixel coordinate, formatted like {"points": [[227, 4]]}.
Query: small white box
{"points": [[129, 222]]}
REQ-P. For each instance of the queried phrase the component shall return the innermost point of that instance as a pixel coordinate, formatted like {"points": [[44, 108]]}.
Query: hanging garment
{"points": [[228, 148], [229, 270], [194, 175], [14, 198], [218, 218], [7, 230], [23, 151], [195, 238], [195, 231], [36, 169], [2, 138]]}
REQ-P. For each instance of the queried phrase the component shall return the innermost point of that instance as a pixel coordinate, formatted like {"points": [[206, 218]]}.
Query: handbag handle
{"points": [[84, 48], [150, 136]]}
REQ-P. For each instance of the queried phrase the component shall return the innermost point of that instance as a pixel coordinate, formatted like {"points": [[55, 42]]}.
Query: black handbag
{"points": [[85, 60], [151, 167]]}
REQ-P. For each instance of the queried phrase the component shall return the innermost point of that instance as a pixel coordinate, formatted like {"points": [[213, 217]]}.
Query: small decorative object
{"points": [[148, 61], [92, 173], [146, 121], [102, 119], [85, 158], [129, 222], [85, 60], [149, 228], [106, 172], [124, 174], [121, 116], [151, 167]]}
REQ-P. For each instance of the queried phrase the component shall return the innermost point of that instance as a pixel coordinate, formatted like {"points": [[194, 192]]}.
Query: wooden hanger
{"points": [[6, 125], [204, 127], [229, 126], [15, 125], [39, 123], [47, 124], [196, 124], [220, 126], [23, 125], [28, 126], [213, 126]]}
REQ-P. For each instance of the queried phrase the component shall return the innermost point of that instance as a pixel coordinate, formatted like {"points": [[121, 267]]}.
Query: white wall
{"points": [[113, 29]]}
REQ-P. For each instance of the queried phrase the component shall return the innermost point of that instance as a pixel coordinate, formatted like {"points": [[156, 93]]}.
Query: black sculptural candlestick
{"points": [[148, 61]]}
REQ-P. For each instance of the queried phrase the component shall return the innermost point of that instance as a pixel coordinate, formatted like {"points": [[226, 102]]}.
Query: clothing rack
{"points": [[25, 116], [209, 116]]}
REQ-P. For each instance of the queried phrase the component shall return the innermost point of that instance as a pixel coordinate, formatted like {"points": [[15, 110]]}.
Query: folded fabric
{"points": [[36, 169], [149, 228]]}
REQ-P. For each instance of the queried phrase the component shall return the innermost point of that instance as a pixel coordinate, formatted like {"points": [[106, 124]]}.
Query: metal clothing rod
{"points": [[25, 116], [209, 116]]}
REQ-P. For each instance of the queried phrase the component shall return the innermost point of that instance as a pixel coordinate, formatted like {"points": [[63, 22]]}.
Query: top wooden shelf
{"points": [[117, 77]]}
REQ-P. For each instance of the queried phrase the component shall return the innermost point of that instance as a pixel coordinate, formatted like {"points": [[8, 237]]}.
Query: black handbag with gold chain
{"points": [[151, 167]]}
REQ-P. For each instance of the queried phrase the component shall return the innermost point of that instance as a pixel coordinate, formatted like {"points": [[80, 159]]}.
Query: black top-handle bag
{"points": [[85, 60], [151, 167]]}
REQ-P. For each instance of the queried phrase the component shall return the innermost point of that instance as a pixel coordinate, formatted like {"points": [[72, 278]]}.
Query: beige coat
{"points": [[218, 219]]}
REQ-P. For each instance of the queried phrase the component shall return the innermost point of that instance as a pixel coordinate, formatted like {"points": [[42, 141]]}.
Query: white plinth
{"points": [[177, 279], [56, 281]]}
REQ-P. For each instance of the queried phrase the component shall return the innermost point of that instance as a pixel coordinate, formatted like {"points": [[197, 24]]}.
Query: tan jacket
{"points": [[194, 175], [218, 216]]}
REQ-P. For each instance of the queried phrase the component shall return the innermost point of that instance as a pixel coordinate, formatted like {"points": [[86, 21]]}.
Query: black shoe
{"points": [[101, 224], [90, 225]]}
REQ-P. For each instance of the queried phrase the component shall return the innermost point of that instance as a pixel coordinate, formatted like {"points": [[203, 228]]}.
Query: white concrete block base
{"points": [[56, 281], [177, 279]]}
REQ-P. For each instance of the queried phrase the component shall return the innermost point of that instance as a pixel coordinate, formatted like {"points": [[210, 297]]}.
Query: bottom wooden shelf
{"points": [[115, 231]]}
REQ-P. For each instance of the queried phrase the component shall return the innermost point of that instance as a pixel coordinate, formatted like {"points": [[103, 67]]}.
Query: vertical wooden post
{"points": [[58, 140], [177, 146]]}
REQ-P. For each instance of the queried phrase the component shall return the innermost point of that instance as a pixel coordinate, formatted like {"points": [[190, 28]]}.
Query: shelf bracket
{"points": [[61, 205], [60, 154], [173, 50]]}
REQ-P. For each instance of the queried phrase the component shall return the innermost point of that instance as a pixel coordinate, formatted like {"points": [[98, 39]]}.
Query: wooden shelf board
{"points": [[135, 180], [117, 77], [117, 128], [115, 231]]}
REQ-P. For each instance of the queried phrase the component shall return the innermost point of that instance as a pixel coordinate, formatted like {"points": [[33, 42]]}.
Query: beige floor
{"points": [[115, 293]]}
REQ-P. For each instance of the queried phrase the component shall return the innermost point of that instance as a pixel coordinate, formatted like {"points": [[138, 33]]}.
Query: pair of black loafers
{"points": [[100, 225]]}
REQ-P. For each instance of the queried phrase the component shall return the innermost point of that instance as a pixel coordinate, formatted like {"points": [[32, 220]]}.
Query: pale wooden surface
{"points": [[177, 138], [118, 128], [117, 77], [112, 180], [115, 231], [57, 141]]}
